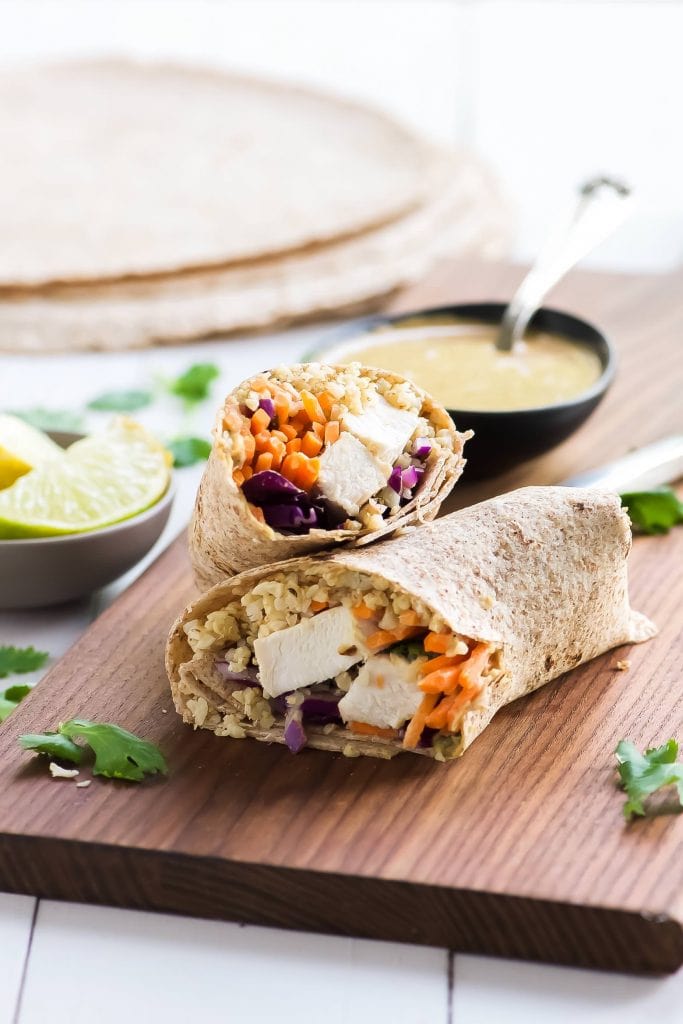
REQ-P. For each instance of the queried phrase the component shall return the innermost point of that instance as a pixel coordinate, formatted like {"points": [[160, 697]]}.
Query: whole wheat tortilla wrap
{"points": [[309, 456], [414, 643]]}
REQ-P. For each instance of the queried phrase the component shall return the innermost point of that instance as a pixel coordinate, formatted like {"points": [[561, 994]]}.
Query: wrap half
{"points": [[414, 643], [309, 456]]}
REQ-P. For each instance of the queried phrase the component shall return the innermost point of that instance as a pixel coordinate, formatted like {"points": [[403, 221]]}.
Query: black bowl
{"points": [[503, 439]]}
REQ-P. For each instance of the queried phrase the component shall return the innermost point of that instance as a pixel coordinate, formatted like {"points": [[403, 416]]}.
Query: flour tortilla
{"points": [[113, 169], [466, 217], [226, 539], [540, 571]]}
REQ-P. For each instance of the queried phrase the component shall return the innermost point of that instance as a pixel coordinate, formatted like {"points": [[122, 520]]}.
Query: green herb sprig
{"points": [[50, 419], [121, 401], [187, 451], [119, 754], [653, 511], [11, 698], [194, 385], [20, 659], [643, 774]]}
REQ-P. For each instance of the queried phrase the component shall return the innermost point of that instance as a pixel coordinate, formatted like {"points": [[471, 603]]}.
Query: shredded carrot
{"points": [[294, 445], [332, 431], [264, 461], [363, 729], [438, 718], [282, 408], [260, 421], [417, 722], [443, 680], [249, 447], [459, 684], [384, 637], [457, 702], [262, 441], [247, 472], [319, 606], [409, 618], [319, 430], [361, 611], [447, 713], [437, 643], [310, 444], [280, 435], [290, 466], [301, 423], [326, 401], [307, 473], [238, 477], [335, 412], [312, 407], [380, 638], [442, 661], [288, 431], [475, 664], [257, 513], [273, 445]]}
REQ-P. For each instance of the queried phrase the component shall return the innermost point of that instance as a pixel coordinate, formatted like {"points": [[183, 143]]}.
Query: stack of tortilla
{"points": [[146, 204]]}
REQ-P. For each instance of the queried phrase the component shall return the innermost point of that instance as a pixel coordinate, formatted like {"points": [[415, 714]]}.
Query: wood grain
{"points": [[519, 849]]}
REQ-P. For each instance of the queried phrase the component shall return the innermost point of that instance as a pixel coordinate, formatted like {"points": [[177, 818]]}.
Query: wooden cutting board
{"points": [[519, 849]]}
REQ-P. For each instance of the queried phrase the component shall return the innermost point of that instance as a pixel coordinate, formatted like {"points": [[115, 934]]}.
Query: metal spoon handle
{"points": [[655, 464], [603, 205]]}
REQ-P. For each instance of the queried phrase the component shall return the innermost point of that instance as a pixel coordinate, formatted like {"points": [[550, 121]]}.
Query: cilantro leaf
{"points": [[643, 774], [7, 707], [119, 754], [51, 419], [654, 511], [20, 659], [121, 401], [11, 698], [194, 384], [187, 451], [54, 745]]}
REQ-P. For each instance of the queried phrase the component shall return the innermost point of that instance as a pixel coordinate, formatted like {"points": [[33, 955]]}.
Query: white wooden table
{"points": [[61, 961]]}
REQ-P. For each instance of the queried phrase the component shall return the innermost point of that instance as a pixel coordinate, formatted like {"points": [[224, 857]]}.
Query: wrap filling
{"points": [[337, 654], [315, 450]]}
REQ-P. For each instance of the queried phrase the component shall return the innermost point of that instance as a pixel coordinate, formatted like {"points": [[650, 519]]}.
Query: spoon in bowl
{"points": [[603, 205]]}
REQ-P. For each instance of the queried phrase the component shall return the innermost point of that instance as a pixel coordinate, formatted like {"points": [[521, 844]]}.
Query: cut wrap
{"points": [[461, 616], [362, 452]]}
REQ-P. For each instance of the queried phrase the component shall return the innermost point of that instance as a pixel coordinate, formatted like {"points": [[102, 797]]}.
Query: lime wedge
{"points": [[100, 480], [22, 448]]}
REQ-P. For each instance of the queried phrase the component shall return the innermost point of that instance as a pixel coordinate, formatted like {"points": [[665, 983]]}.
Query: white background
{"points": [[547, 91]]}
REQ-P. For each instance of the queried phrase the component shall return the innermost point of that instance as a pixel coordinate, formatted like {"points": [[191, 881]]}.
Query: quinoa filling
{"points": [[339, 653], [317, 447]]}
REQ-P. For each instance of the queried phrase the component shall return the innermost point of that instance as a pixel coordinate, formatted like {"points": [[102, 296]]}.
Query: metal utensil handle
{"points": [[655, 464], [603, 205]]}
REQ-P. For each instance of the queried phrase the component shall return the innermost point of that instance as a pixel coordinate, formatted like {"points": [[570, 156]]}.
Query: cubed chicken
{"points": [[349, 474], [384, 693], [383, 428], [314, 650]]}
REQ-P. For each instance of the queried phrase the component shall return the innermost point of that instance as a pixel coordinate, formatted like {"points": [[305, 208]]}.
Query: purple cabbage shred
{"points": [[268, 405], [247, 675], [295, 736], [394, 480]]}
